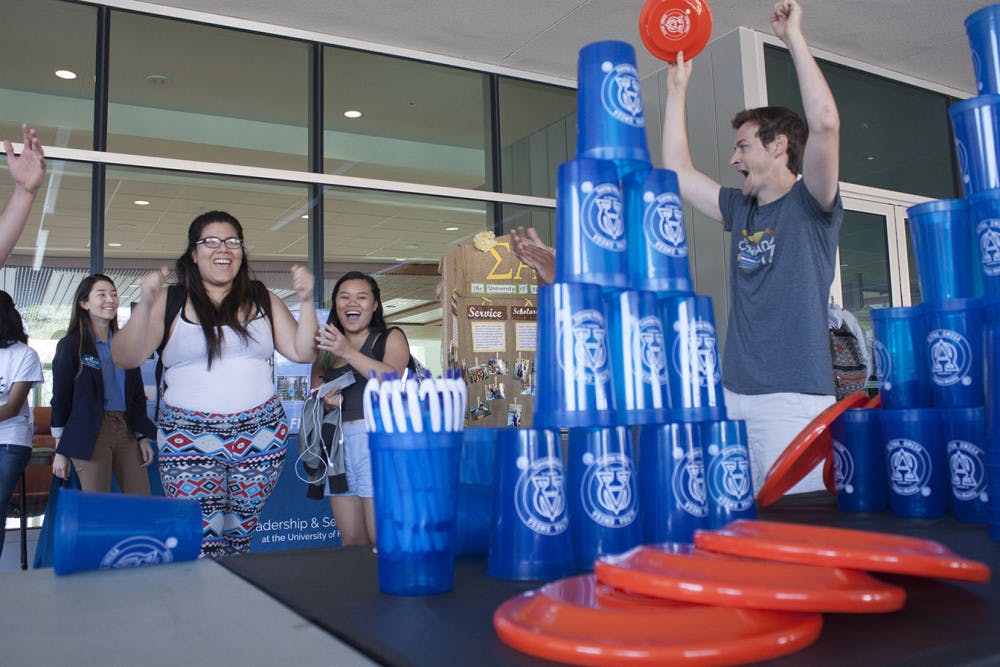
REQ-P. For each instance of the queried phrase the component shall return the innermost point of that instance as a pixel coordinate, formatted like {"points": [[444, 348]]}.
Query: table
{"points": [[194, 613], [943, 622]]}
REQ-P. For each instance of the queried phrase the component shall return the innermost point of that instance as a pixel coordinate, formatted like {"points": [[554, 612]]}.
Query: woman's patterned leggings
{"points": [[229, 463]]}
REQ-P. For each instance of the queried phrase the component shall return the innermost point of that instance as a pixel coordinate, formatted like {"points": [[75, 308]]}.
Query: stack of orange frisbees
{"points": [[751, 591]]}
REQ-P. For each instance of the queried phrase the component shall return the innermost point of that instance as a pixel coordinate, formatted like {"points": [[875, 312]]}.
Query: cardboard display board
{"points": [[489, 329]]}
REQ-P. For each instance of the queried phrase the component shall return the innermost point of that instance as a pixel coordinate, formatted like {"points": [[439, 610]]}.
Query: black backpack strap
{"points": [[176, 297]]}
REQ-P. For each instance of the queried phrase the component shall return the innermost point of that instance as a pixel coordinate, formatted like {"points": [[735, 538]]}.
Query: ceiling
{"points": [[924, 39]]}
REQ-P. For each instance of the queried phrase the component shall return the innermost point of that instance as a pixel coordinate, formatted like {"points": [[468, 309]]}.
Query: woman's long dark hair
{"points": [[244, 293], [80, 322], [377, 323], [11, 324]]}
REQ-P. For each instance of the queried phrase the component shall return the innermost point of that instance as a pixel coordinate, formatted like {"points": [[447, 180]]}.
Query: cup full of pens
{"points": [[415, 437]]}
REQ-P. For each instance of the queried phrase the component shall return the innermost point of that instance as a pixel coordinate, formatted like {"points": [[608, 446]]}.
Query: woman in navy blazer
{"points": [[98, 410]]}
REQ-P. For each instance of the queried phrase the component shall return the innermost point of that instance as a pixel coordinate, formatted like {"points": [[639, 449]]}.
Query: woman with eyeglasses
{"points": [[20, 370], [222, 430], [98, 410]]}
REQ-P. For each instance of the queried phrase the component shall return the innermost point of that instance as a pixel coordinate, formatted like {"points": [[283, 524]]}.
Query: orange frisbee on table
{"points": [[668, 27], [842, 547], [805, 452], [563, 621], [705, 578]]}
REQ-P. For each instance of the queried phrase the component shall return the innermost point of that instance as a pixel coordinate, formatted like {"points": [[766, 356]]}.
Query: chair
{"points": [[37, 477]]}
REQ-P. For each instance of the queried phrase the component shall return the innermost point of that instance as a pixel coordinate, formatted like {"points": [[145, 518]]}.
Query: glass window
{"points": [[916, 298], [537, 133], [864, 265], [403, 120], [542, 219], [40, 38], [892, 135], [196, 92]]}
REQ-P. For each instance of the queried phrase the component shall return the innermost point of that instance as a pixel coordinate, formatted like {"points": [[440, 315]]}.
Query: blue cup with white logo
{"points": [[954, 352], [672, 490], [983, 29], [476, 461], [657, 240], [529, 534], [591, 245], [901, 358], [610, 120], [638, 347], [101, 531], [728, 476], [976, 126], [695, 368], [965, 445], [943, 242], [985, 220], [915, 462], [574, 362], [859, 461], [603, 493]]}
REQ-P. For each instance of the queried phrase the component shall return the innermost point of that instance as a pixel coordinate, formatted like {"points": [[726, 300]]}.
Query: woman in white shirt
{"points": [[222, 430], [20, 370]]}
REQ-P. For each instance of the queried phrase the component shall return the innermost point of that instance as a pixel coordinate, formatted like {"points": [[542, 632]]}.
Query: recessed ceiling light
{"points": [[158, 79], [65, 74], [141, 202], [400, 259], [352, 114], [451, 229], [305, 217], [114, 245]]}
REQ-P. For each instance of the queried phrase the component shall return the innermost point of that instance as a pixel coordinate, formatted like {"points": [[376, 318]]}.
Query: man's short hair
{"points": [[772, 121]]}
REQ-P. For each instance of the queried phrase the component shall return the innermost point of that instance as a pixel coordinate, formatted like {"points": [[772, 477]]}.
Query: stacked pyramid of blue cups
{"points": [[937, 406], [976, 123], [624, 345]]}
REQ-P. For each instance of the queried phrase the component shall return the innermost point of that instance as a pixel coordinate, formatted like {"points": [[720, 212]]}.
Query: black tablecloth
{"points": [[943, 622]]}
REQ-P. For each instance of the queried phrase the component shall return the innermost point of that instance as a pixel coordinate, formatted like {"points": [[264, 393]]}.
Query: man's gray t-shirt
{"points": [[782, 264]]}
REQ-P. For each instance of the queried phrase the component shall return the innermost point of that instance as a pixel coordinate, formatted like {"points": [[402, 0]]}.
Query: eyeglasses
{"points": [[213, 242]]}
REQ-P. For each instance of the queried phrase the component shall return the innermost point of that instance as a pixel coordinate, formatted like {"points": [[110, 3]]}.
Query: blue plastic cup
{"points": [[728, 475], [639, 349], [915, 462], [529, 536], [901, 357], [696, 371], [574, 363], [976, 127], [965, 444], [955, 352], [603, 493], [99, 531], [859, 461], [991, 354], [657, 240], [591, 245], [476, 462], [610, 121], [415, 476], [672, 491], [943, 240], [983, 28], [985, 214], [472, 519]]}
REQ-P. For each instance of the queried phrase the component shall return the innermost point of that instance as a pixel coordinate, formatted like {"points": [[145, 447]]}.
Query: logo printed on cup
{"points": [[138, 551], [688, 483], [951, 357], [843, 468], [590, 347], [601, 216], [652, 350], [621, 94], [988, 232], [702, 346], [663, 224], [883, 364], [730, 478], [968, 474], [606, 490], [910, 467], [539, 496]]}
